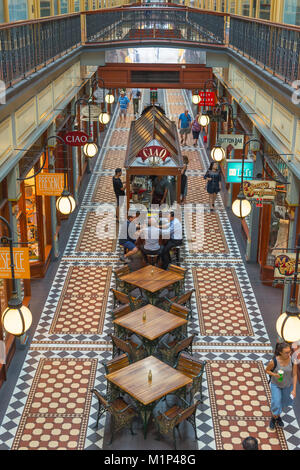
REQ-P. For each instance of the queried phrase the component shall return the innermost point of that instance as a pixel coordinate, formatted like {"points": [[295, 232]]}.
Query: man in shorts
{"points": [[123, 104], [126, 239], [184, 126]]}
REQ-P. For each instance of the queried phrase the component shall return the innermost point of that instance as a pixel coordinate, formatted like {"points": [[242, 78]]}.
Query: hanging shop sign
{"points": [[93, 113], [285, 265], [210, 98], [257, 189], [234, 170], [21, 262], [50, 184], [99, 95], [236, 141], [76, 138], [154, 151]]}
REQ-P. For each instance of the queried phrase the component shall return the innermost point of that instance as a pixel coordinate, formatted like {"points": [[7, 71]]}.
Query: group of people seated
{"points": [[155, 229]]}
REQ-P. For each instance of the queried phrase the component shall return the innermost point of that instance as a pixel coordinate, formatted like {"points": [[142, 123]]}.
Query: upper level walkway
{"points": [[28, 46]]}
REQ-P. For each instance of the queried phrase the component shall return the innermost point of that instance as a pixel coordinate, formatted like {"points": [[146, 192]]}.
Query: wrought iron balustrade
{"points": [[275, 47]]}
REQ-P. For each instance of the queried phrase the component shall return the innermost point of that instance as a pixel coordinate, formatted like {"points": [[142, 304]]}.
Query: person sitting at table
{"points": [[174, 233], [126, 239], [150, 234]]}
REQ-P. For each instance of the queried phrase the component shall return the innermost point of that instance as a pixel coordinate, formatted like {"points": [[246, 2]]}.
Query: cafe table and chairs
{"points": [[152, 280], [147, 381], [150, 324]]}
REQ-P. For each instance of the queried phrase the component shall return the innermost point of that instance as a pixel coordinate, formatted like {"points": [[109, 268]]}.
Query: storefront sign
{"points": [[285, 264], [21, 262], [257, 189], [93, 112], [236, 141], [234, 170], [154, 151], [76, 138], [50, 184], [210, 98]]}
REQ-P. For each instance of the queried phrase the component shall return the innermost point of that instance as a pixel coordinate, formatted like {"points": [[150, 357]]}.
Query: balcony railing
{"points": [[28, 46]]}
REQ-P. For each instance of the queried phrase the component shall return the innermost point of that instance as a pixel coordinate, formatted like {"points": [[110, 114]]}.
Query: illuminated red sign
{"points": [[154, 151], [210, 98], [76, 138]]}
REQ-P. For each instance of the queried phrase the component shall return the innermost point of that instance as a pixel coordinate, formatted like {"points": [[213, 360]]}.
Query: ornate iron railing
{"points": [[27, 46], [273, 46]]}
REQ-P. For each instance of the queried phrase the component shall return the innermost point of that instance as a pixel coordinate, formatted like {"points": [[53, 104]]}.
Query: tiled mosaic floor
{"points": [[52, 407]]}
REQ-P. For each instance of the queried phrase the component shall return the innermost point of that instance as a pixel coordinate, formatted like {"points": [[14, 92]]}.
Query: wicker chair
{"points": [[120, 298], [194, 369], [121, 413], [170, 420], [169, 351], [121, 285], [117, 363], [134, 351]]}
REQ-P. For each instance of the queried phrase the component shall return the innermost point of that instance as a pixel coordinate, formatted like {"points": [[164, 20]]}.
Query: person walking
{"points": [[118, 188], [196, 129], [213, 176], [184, 183], [283, 375], [184, 126], [123, 105], [136, 97]]}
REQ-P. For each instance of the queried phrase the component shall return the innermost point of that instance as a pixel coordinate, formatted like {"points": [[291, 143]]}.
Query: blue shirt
{"points": [[184, 120], [123, 100]]}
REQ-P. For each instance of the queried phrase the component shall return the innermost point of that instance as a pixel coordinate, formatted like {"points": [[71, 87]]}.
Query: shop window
{"points": [[31, 219], [291, 12], [265, 9], [64, 6], [45, 8], [77, 5], [245, 7], [279, 228], [86, 5], [17, 10]]}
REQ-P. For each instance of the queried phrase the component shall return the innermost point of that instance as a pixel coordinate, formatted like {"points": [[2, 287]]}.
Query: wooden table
{"points": [[152, 280], [158, 322], [133, 380]]}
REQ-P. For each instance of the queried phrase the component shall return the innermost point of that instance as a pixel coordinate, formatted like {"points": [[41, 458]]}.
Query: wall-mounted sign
{"points": [[234, 170], [50, 184], [94, 112], [257, 189], [210, 98], [21, 262], [76, 138], [285, 264], [154, 151], [236, 141]]}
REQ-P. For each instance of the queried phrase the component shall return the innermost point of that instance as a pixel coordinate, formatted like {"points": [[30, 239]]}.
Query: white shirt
{"points": [[174, 231], [151, 236]]}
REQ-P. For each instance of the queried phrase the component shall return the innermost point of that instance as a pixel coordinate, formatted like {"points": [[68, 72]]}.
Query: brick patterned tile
{"points": [[197, 193], [82, 304], [92, 237], [194, 159], [221, 307], [119, 138], [209, 237], [104, 191], [114, 159], [240, 399], [57, 409]]}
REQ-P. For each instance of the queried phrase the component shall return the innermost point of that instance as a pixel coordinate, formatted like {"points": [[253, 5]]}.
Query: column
{"points": [[231, 156], [13, 192], [54, 237]]}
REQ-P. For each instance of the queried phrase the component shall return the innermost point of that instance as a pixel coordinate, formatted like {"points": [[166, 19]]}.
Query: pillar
{"points": [[13, 193], [231, 156], [54, 237]]}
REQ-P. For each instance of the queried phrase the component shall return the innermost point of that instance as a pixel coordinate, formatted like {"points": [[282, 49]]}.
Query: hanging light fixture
{"points": [[288, 324], [109, 98], [203, 120], [217, 153], [16, 318], [241, 207], [66, 204], [104, 117], [196, 98], [90, 149]]}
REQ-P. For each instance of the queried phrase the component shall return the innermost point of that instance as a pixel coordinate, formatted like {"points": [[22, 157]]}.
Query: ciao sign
{"points": [[76, 138], [154, 151]]}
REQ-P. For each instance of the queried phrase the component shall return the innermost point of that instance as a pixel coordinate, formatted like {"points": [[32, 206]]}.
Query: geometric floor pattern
{"points": [[52, 407]]}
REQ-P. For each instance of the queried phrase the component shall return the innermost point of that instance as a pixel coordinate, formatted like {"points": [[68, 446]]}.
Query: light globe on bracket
{"points": [[90, 149], [288, 324], [195, 97], [241, 207], [66, 203], [217, 153], [109, 98], [16, 318], [104, 117], [203, 120]]}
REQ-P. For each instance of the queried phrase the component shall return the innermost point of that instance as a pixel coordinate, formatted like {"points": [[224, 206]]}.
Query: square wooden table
{"points": [[152, 280], [158, 323], [133, 380]]}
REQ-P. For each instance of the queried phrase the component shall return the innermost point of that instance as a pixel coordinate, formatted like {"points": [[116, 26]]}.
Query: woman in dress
{"points": [[213, 176], [196, 128], [283, 386], [184, 183]]}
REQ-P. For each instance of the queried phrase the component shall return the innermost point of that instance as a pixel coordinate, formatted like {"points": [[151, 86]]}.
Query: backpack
{"points": [[275, 365]]}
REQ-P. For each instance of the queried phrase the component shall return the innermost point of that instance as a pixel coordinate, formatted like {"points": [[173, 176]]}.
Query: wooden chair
{"points": [[179, 270], [118, 313], [120, 298], [121, 413], [117, 363], [176, 251], [181, 312], [169, 351], [121, 285], [170, 420], [135, 351], [183, 299], [194, 369]]}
